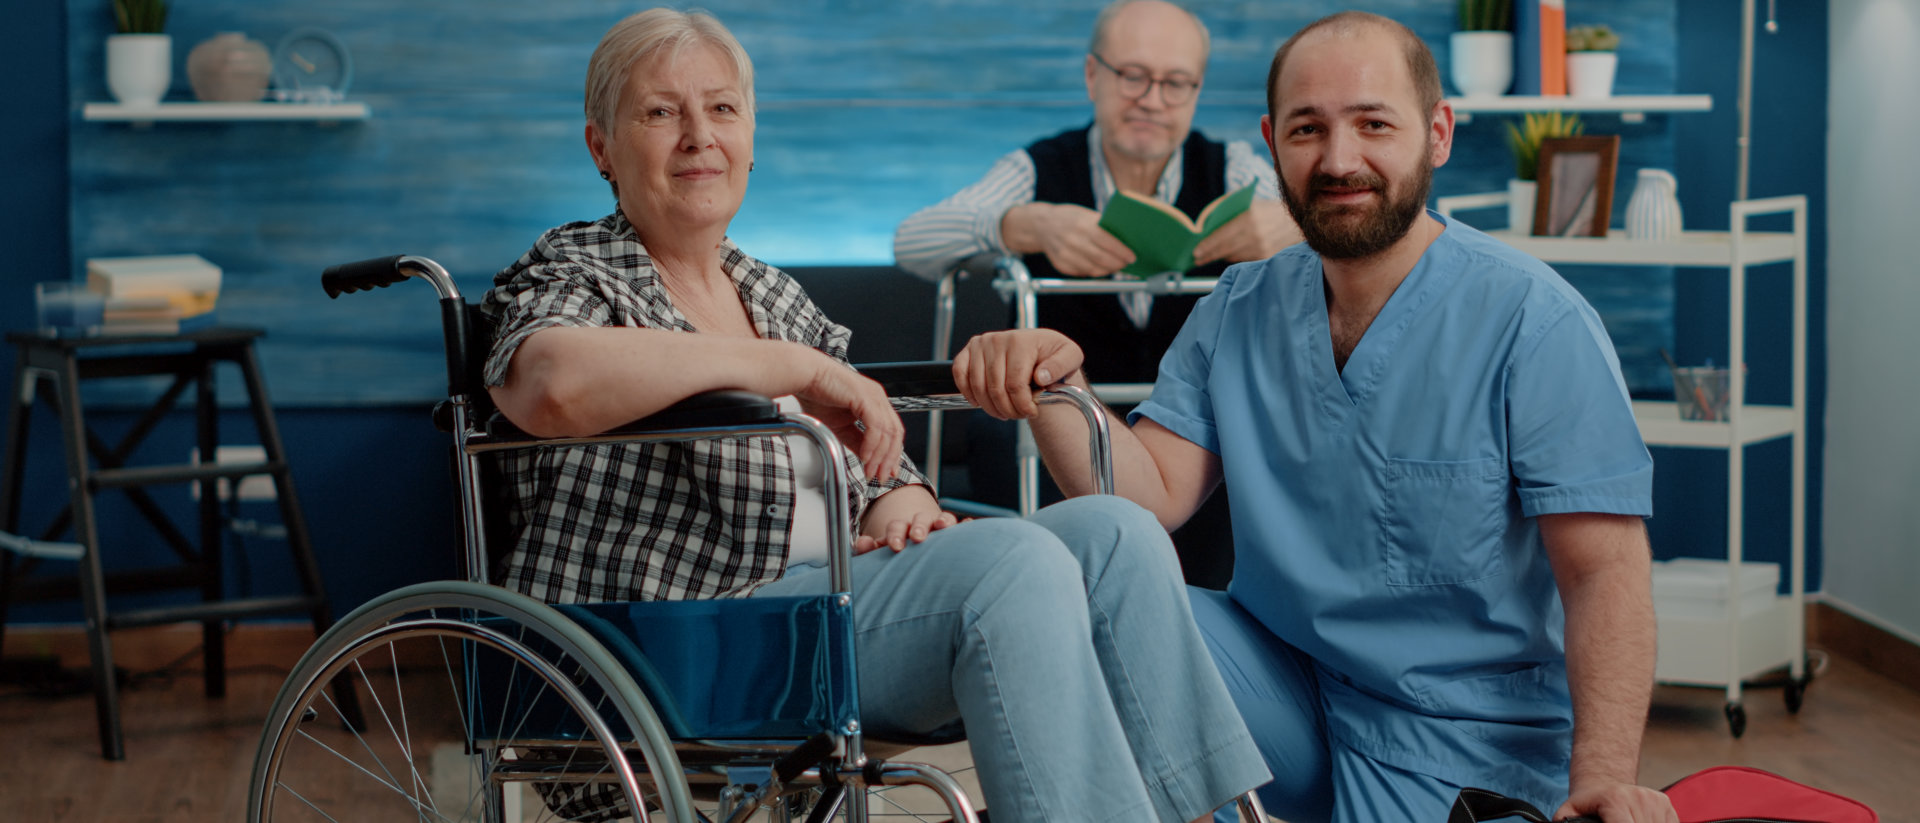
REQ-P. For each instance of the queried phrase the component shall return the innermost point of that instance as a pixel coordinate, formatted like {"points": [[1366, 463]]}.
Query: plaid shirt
{"points": [[660, 521]]}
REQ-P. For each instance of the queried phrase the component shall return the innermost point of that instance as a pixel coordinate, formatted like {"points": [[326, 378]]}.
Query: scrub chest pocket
{"points": [[1441, 520]]}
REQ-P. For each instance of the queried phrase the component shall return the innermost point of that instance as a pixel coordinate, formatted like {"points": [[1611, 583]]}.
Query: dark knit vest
{"points": [[1117, 351]]}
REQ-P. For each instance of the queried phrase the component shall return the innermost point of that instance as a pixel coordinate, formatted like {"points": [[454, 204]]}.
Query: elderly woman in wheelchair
{"points": [[1062, 642]]}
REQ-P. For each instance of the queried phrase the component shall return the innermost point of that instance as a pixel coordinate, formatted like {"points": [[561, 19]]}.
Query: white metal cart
{"points": [[1744, 640]]}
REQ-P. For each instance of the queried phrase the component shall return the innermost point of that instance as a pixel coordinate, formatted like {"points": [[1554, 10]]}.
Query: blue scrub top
{"points": [[1382, 514]]}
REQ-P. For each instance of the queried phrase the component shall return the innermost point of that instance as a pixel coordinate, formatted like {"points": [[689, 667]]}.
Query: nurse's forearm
{"points": [[1602, 565], [1060, 432], [1152, 466]]}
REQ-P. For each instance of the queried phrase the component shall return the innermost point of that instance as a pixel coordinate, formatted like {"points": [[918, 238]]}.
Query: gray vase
{"points": [[229, 68]]}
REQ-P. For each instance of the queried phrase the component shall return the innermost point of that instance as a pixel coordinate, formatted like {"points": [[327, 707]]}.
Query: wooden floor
{"points": [[188, 757]]}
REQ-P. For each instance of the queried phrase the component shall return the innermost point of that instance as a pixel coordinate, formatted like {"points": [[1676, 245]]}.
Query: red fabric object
{"points": [[1738, 793]]}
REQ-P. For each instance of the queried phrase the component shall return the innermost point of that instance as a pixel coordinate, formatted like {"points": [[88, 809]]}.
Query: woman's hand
{"points": [[998, 371], [895, 534], [906, 514], [857, 411]]}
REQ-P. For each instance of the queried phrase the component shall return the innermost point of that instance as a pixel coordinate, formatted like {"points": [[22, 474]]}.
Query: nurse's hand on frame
{"points": [[998, 371], [1618, 803], [898, 533]]}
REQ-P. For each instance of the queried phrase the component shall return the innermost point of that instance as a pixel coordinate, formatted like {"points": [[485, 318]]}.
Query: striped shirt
{"points": [[938, 238], [658, 521]]}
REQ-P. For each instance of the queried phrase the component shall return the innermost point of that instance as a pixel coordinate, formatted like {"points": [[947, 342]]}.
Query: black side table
{"points": [[51, 369]]}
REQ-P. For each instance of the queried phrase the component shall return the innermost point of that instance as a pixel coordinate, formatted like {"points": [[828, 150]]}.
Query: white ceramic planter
{"points": [[1590, 73], [1481, 62], [139, 67], [1520, 194]]}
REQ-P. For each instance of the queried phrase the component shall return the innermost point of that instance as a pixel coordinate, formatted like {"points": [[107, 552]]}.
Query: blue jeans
{"points": [[1065, 643]]}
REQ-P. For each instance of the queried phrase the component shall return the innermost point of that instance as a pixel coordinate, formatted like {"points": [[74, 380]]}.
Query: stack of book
{"points": [[163, 294], [1540, 47]]}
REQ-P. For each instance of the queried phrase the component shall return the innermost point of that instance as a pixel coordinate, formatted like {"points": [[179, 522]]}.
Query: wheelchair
{"points": [[680, 711]]}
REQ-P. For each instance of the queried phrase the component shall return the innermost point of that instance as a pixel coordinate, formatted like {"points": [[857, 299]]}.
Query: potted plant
{"points": [[140, 56], [1591, 60], [1525, 140], [1481, 52]]}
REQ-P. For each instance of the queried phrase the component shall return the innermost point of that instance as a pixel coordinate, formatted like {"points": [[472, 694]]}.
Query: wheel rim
{"points": [[438, 741]]}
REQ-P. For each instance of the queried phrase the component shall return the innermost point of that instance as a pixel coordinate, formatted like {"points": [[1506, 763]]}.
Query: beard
{"points": [[1351, 232]]}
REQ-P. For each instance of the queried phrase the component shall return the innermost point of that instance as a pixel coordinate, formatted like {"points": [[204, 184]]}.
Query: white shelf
{"points": [[1700, 651], [1660, 425], [180, 112], [1625, 102], [1632, 108], [1693, 248]]}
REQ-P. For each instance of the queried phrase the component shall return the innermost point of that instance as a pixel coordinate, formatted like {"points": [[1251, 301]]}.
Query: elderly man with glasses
{"points": [[1144, 69]]}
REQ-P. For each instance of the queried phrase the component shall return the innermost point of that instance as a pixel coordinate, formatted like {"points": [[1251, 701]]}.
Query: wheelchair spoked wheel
{"points": [[465, 690]]}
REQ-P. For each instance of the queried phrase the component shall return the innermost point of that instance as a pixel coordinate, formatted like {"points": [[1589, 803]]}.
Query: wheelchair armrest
{"points": [[725, 407], [912, 379]]}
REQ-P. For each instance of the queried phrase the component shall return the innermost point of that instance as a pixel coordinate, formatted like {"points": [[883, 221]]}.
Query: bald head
{"points": [[1119, 8], [1349, 25]]}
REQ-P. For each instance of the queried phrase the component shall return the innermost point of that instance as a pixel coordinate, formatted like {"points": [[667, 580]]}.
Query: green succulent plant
{"points": [[1486, 15], [140, 16], [1526, 138], [1592, 38]]}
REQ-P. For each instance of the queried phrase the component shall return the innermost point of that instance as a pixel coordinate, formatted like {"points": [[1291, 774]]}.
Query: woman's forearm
{"points": [[582, 381]]}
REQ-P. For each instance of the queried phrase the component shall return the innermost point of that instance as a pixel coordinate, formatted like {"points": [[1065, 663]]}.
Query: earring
{"points": [[604, 175], [749, 165]]}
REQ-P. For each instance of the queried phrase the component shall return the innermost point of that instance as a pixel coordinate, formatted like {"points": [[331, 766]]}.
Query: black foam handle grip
{"points": [[362, 275], [912, 379], [806, 756]]}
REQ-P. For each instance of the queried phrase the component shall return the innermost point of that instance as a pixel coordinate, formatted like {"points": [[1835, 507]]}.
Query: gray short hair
{"points": [[641, 36], [1101, 23]]}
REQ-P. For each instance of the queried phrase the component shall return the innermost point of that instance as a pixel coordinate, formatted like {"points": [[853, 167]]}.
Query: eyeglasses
{"points": [[1136, 82]]}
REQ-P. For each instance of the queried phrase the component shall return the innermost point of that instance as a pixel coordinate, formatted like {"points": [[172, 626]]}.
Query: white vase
{"points": [[1481, 62], [229, 68], [139, 68], [1653, 213], [1590, 73], [1520, 195]]}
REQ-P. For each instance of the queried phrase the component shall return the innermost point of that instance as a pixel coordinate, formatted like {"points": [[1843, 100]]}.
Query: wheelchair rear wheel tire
{"points": [[552, 707]]}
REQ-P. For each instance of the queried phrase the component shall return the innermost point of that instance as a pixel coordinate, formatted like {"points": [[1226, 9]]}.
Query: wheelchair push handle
{"points": [[362, 275], [379, 272]]}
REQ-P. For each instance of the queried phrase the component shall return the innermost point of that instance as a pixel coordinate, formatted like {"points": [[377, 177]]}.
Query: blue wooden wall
{"points": [[868, 110]]}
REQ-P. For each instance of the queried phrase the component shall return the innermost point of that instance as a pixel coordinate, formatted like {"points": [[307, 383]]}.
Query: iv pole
{"points": [[1744, 144]]}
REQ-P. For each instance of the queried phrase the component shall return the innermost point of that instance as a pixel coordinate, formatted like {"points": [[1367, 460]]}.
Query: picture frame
{"points": [[1575, 197]]}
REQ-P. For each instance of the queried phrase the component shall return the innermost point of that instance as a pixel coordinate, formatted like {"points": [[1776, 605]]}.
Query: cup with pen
{"points": [[1699, 391]]}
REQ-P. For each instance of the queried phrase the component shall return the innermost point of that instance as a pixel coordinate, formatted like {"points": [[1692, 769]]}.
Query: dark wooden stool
{"points": [[52, 369]]}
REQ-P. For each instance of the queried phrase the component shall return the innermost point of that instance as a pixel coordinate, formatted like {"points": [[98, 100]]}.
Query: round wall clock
{"points": [[313, 65]]}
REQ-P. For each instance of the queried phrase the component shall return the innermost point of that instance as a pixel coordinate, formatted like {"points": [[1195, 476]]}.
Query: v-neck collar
{"points": [[1352, 387], [751, 281]]}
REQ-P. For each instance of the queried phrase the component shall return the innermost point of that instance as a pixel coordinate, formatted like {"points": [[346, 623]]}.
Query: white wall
{"points": [[1872, 517]]}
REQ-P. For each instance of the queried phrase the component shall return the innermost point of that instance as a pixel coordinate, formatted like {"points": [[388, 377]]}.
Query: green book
{"points": [[1161, 237]]}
